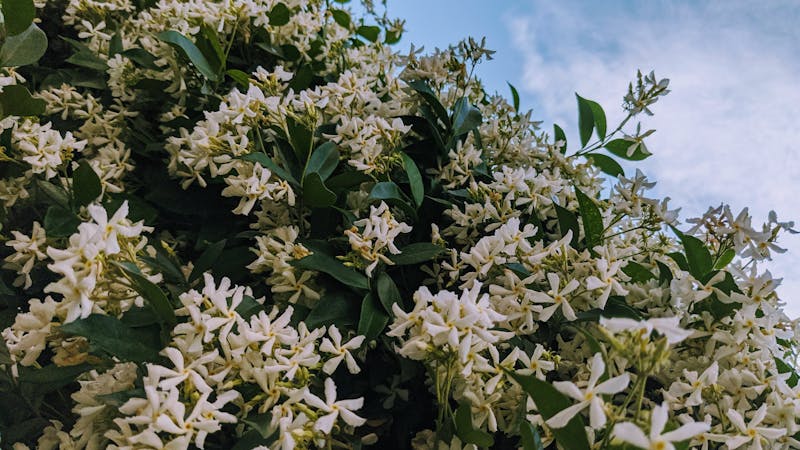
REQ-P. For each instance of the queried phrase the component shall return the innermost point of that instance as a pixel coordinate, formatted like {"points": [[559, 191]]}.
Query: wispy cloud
{"points": [[727, 132]]}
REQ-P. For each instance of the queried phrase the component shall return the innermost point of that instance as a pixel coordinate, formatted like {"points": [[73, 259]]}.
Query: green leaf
{"points": [[369, 32], [664, 273], [560, 136], [115, 46], [698, 258], [529, 437], [514, 96], [323, 161], [24, 48], [392, 195], [373, 319], [638, 273], [725, 258], [56, 194], [266, 161], [260, 423], [241, 78], [111, 336], [16, 100], [249, 307], [416, 253], [599, 117], [432, 100], [279, 15], [567, 221], [592, 219], [388, 294], [208, 43], [333, 308], [52, 374], [414, 179], [59, 221], [322, 262], [619, 147], [207, 259], [300, 137], [18, 15], [467, 432], [605, 163], [85, 57], [550, 402], [86, 185], [585, 119], [141, 57], [466, 117], [190, 50], [315, 193], [151, 293], [341, 17]]}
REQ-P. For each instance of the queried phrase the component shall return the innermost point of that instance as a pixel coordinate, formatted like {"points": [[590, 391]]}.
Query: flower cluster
{"points": [[257, 225]]}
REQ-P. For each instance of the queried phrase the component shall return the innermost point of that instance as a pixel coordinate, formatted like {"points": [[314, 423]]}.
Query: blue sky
{"points": [[728, 132]]}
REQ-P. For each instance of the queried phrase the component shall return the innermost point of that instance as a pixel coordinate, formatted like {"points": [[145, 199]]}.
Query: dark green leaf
{"points": [[315, 193], [190, 50], [5, 355], [260, 423], [432, 100], [241, 78], [341, 17], [115, 46], [86, 185], [16, 100], [386, 190], [111, 336], [323, 160], [414, 179], [56, 194], [416, 253], [333, 308], [52, 374], [24, 48], [141, 57], [592, 219], [514, 96], [606, 163], [518, 269], [249, 307], [620, 147], [585, 119], [638, 273], [725, 258], [207, 259], [373, 319], [567, 221], [664, 273], [59, 222], [266, 162], [300, 137], [151, 293], [251, 440], [85, 57], [466, 117], [279, 15], [327, 264], [560, 136], [208, 43], [467, 432], [550, 402], [698, 258], [530, 438], [369, 32], [599, 117], [18, 15], [388, 294]]}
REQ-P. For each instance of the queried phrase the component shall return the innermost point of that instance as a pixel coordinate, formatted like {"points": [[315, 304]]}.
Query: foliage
{"points": [[256, 225]]}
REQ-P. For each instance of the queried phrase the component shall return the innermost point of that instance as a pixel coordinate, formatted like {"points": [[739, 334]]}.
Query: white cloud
{"points": [[727, 131]]}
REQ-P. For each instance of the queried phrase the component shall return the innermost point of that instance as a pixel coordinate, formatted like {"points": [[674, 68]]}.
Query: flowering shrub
{"points": [[255, 225]]}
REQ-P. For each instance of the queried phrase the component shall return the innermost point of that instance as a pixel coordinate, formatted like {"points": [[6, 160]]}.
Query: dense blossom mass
{"points": [[257, 225]]}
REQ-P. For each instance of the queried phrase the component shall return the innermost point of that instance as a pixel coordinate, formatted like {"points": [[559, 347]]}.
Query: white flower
{"points": [[658, 440], [589, 396], [752, 432], [667, 326], [557, 297], [334, 409], [342, 351]]}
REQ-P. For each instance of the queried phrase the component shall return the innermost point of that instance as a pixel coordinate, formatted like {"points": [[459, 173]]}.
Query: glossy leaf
{"points": [[606, 164], [300, 137], [599, 117], [315, 193], [141, 57], [190, 50], [323, 160], [373, 318], [620, 147], [322, 262], [341, 17], [466, 117], [467, 432], [414, 179], [369, 32], [560, 136], [266, 162], [529, 437], [550, 402], [725, 258], [16, 100], [279, 15], [592, 219], [207, 259], [18, 15], [567, 221], [585, 119], [23, 48], [637, 272], [698, 258], [334, 308], [416, 253], [388, 294], [86, 185], [111, 336], [514, 96], [151, 293]]}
